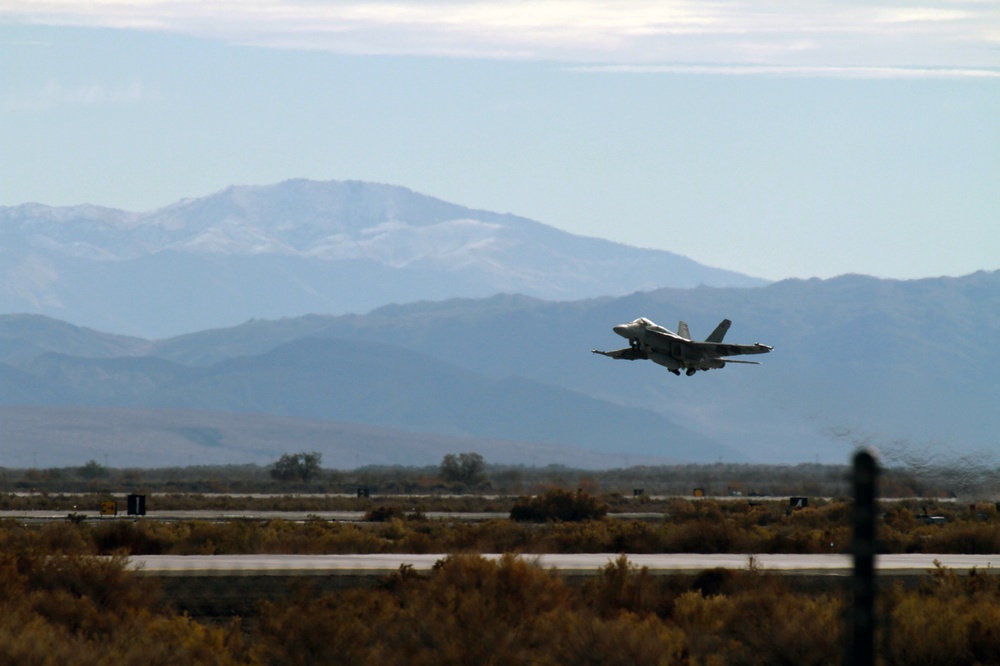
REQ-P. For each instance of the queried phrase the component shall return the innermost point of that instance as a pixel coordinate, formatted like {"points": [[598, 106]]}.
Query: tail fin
{"points": [[719, 332], [682, 330]]}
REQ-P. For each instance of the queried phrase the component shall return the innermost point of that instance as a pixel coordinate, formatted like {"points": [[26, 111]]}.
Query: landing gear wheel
{"points": [[691, 371]]}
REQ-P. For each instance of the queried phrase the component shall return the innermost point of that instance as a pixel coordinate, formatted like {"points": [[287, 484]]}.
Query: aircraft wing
{"points": [[628, 354], [664, 341], [722, 349]]}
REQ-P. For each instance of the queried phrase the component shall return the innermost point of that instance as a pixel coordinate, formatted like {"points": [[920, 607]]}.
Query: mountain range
{"points": [[302, 247], [444, 363], [857, 360]]}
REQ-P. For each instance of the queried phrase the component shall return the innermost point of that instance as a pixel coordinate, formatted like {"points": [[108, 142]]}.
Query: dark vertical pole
{"points": [[862, 645]]}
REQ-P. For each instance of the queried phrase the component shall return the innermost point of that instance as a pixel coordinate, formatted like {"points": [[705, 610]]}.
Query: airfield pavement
{"points": [[567, 564]]}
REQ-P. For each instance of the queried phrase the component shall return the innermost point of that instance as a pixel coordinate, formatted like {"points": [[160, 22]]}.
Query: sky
{"points": [[777, 138]]}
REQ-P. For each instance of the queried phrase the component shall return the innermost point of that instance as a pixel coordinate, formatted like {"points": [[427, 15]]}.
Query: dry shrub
{"points": [[760, 623], [624, 640], [131, 537], [633, 536], [467, 611], [317, 537], [470, 610], [382, 514], [705, 537], [622, 586], [703, 619], [772, 625], [592, 536], [689, 526], [558, 505], [86, 610], [505, 536], [963, 537], [416, 542], [715, 582], [952, 620]]}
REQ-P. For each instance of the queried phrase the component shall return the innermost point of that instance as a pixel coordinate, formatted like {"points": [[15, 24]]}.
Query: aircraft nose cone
{"points": [[621, 329]]}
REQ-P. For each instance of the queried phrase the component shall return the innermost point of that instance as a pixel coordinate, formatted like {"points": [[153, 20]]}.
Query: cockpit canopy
{"points": [[650, 326]]}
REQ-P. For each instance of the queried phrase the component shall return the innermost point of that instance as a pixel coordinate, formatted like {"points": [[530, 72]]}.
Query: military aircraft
{"points": [[677, 351]]}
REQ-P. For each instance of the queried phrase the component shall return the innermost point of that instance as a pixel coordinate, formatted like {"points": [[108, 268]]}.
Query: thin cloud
{"points": [[767, 36], [53, 95], [806, 71]]}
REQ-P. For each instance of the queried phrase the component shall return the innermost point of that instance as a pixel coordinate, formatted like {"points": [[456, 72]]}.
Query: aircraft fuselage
{"points": [[677, 352]]}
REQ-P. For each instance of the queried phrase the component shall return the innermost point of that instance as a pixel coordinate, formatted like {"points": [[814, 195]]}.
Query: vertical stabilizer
{"points": [[719, 332], [682, 330]]}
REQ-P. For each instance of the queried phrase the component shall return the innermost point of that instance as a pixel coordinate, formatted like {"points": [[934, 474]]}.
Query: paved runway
{"points": [[573, 564], [235, 514], [294, 516]]}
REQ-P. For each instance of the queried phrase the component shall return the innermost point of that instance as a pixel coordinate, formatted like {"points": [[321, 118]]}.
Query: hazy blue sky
{"points": [[778, 138]]}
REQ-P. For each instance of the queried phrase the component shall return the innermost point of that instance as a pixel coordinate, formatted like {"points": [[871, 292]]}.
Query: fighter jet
{"points": [[677, 351]]}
